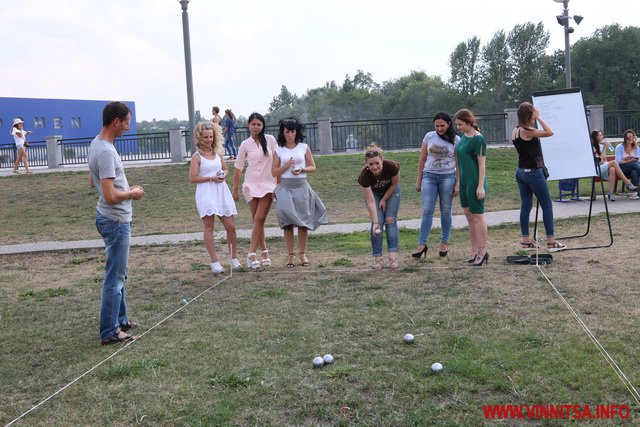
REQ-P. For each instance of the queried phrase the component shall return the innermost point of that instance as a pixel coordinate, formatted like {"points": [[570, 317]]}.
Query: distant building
{"points": [[70, 118]]}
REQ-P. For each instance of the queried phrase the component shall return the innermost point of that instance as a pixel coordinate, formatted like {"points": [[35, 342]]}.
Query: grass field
{"points": [[61, 206], [241, 353]]}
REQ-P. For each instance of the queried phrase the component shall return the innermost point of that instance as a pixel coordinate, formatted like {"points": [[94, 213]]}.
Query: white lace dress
{"points": [[213, 198]]}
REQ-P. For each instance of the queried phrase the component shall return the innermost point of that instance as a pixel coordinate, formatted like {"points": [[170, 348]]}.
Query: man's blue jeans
{"points": [[229, 145], [113, 309], [391, 211], [436, 185], [530, 182]]}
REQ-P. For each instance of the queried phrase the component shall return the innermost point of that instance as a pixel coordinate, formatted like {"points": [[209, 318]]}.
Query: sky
{"points": [[243, 52]]}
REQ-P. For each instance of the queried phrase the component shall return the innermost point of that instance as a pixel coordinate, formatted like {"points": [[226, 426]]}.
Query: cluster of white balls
{"points": [[436, 367], [319, 362]]}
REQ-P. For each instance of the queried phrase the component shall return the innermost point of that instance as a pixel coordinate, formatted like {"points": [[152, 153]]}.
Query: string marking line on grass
{"points": [[115, 353]]}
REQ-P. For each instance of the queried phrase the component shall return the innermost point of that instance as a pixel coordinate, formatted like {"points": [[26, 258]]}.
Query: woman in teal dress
{"points": [[471, 155]]}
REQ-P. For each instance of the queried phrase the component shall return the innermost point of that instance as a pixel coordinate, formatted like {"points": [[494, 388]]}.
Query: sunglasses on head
{"points": [[370, 154], [288, 121]]}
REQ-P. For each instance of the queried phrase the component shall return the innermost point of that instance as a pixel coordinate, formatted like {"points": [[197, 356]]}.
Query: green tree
{"points": [[496, 70], [285, 99], [527, 44], [607, 67], [465, 67], [417, 94]]}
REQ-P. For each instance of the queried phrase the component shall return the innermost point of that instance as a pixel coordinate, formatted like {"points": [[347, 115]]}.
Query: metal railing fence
{"points": [[617, 121], [397, 134], [146, 146], [36, 154]]}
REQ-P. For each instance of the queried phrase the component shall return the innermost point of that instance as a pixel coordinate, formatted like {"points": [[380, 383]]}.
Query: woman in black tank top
{"points": [[530, 175]]}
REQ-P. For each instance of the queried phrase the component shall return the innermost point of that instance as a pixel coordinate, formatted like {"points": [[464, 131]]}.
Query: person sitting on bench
{"points": [[627, 156], [608, 169]]}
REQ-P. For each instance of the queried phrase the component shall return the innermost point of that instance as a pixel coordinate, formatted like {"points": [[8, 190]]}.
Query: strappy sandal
{"points": [[378, 263], [556, 247], [129, 325], [528, 246], [292, 259], [252, 262], [266, 262], [116, 338], [303, 260]]}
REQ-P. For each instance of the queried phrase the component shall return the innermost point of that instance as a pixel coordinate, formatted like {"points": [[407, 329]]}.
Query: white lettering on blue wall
{"points": [[75, 123], [57, 122], [38, 122]]}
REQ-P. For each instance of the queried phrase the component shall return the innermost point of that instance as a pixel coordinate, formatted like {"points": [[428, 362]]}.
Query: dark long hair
{"points": [[263, 139], [594, 141], [290, 123], [450, 134]]}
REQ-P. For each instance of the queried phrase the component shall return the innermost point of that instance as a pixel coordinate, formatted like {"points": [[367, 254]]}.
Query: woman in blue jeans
{"points": [[628, 157], [530, 175], [380, 184], [437, 178]]}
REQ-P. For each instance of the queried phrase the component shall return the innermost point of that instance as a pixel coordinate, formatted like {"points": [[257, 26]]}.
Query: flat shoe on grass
{"points": [[116, 338], [129, 325]]}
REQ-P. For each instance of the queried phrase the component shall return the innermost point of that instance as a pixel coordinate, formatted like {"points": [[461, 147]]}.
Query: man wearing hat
{"points": [[113, 220], [20, 138]]}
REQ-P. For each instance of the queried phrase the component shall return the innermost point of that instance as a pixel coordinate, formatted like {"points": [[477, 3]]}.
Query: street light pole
{"points": [[564, 21], [187, 64]]}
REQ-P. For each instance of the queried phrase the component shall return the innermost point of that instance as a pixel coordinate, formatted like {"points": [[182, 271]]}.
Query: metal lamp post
{"points": [[187, 64], [564, 21]]}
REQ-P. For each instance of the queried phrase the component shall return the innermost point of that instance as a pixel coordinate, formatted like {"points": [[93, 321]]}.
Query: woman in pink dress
{"points": [[258, 185]]}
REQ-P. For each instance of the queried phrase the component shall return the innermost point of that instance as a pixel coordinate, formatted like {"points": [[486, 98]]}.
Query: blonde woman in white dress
{"points": [[213, 198]]}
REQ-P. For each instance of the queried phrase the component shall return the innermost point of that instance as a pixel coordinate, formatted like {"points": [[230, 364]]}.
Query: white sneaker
{"points": [[216, 267], [235, 263], [634, 195]]}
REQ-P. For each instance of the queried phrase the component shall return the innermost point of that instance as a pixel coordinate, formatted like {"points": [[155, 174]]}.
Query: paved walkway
{"points": [[561, 210]]}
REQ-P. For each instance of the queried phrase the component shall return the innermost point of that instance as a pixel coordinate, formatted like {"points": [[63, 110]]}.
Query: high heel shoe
{"points": [[252, 262], [266, 262], [418, 254], [483, 260], [470, 260], [303, 260]]}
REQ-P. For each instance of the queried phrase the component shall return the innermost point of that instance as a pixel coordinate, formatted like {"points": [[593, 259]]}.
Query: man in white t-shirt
{"points": [[113, 220]]}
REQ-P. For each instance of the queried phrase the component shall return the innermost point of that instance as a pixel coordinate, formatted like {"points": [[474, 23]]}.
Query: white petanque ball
{"points": [[220, 173], [436, 367], [328, 359], [318, 362], [408, 339], [185, 301], [377, 231]]}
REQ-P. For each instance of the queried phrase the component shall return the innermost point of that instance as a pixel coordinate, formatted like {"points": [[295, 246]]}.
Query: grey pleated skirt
{"points": [[297, 204]]}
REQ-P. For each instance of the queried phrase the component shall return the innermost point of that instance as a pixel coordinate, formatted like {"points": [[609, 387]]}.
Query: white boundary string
{"points": [[118, 351], [627, 383], [625, 380]]}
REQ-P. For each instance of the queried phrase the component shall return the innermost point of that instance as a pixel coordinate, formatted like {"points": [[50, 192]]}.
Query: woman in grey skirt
{"points": [[296, 203]]}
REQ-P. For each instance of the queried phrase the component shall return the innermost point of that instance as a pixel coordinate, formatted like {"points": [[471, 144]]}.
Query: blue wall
{"points": [[46, 117]]}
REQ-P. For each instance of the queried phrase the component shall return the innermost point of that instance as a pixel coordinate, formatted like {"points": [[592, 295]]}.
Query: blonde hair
{"points": [[217, 137], [372, 148]]}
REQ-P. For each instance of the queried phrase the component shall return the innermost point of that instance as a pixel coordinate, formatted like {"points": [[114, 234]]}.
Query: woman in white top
{"points": [[20, 139], [437, 179], [213, 197], [296, 203]]}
